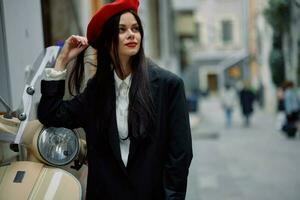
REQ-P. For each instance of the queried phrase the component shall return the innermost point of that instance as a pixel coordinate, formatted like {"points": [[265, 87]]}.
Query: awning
{"points": [[232, 60]]}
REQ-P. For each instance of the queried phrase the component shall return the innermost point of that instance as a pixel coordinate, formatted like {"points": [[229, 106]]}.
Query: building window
{"points": [[227, 31], [185, 25]]}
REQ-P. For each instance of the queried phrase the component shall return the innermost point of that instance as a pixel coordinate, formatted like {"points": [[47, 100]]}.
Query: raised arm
{"points": [[52, 110]]}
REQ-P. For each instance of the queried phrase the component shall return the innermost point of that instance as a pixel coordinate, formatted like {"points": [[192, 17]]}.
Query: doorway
{"points": [[212, 82]]}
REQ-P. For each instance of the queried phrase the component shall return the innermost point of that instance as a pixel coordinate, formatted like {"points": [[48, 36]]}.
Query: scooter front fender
{"points": [[30, 180]]}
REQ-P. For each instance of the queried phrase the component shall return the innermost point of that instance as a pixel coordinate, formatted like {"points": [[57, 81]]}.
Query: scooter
{"points": [[38, 162]]}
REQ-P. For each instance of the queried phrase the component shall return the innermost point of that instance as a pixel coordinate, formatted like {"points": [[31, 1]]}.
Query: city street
{"points": [[255, 163]]}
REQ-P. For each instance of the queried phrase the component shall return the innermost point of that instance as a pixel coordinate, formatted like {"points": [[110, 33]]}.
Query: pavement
{"points": [[238, 163], [194, 120]]}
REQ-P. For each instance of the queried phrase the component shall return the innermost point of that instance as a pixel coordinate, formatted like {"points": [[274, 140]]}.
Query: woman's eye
{"points": [[135, 29], [122, 30]]}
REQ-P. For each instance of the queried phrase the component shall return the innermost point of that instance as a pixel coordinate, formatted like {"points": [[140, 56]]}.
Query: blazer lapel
{"points": [[113, 137], [136, 144]]}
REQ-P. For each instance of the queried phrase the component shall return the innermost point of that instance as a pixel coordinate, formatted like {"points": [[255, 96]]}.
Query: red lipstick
{"points": [[131, 44]]}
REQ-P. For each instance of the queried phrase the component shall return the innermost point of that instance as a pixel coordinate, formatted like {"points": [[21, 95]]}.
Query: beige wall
{"points": [[210, 15]]}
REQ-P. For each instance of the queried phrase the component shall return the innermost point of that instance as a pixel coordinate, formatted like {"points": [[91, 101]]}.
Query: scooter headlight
{"points": [[58, 146]]}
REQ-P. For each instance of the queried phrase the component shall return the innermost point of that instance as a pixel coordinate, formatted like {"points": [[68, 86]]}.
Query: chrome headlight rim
{"points": [[46, 160]]}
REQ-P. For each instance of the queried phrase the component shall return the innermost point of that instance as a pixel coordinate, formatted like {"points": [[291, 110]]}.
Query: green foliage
{"points": [[277, 40], [277, 65], [278, 14], [298, 63]]}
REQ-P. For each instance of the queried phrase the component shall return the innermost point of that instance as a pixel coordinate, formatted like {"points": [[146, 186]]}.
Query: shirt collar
{"points": [[119, 81]]}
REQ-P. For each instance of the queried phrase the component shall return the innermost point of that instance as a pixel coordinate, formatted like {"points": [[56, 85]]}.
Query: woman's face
{"points": [[129, 36]]}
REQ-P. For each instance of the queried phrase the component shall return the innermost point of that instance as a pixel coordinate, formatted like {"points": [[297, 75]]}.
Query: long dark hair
{"points": [[141, 112]]}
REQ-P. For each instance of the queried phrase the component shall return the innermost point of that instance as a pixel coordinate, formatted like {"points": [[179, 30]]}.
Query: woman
{"points": [[247, 98], [133, 112]]}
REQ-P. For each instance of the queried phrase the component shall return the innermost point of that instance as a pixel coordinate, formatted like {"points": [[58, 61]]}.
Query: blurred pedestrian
{"points": [[292, 108], [228, 101], [280, 98], [134, 113], [280, 118], [247, 98]]}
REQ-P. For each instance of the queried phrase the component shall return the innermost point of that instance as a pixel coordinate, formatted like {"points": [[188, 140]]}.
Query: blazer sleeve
{"points": [[179, 149], [54, 111]]}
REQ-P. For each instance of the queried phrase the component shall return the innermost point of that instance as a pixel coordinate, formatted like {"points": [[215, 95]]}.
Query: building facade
{"points": [[214, 41], [160, 39]]}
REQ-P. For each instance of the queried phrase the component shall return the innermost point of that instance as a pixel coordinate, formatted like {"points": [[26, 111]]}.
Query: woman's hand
{"points": [[72, 47]]}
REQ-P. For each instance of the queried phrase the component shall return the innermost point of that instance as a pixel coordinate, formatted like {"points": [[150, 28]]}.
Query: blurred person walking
{"points": [[228, 100], [292, 108], [247, 98], [280, 118]]}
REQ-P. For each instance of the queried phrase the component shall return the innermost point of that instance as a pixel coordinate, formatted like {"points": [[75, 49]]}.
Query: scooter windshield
{"points": [[31, 94]]}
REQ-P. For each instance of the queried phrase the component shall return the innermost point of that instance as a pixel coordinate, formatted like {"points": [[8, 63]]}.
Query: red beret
{"points": [[97, 22]]}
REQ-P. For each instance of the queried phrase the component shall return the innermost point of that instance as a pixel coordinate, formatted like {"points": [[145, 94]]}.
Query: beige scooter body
{"points": [[32, 180], [25, 173]]}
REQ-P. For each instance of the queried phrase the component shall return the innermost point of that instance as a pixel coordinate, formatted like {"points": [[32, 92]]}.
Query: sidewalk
{"points": [[240, 163], [194, 120], [209, 121], [211, 118]]}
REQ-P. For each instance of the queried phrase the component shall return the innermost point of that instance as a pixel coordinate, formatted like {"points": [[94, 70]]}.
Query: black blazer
{"points": [[157, 166]]}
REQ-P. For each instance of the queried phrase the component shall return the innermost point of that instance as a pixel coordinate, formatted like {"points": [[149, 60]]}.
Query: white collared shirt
{"points": [[122, 101]]}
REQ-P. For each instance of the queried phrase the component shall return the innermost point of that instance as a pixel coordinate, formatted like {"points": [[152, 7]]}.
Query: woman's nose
{"points": [[130, 33]]}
